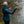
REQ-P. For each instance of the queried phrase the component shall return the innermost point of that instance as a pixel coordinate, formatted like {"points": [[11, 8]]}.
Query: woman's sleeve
{"points": [[10, 11]]}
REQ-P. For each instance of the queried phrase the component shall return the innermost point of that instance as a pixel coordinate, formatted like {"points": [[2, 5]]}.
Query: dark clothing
{"points": [[6, 22], [6, 13]]}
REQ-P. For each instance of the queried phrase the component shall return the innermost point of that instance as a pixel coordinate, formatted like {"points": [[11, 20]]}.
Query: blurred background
{"points": [[18, 16]]}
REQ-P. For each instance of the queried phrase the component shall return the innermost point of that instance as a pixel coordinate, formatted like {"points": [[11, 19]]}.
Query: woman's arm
{"points": [[7, 11]]}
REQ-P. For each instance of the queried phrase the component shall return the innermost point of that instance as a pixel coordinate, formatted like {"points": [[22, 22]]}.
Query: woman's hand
{"points": [[16, 6], [10, 9]]}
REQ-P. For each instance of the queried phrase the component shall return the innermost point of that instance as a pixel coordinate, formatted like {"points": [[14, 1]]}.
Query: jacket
{"points": [[6, 13]]}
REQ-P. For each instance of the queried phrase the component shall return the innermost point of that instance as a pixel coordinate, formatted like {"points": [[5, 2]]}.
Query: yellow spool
{"points": [[1, 23]]}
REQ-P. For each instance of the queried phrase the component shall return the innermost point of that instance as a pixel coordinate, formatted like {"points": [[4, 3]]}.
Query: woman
{"points": [[6, 13]]}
